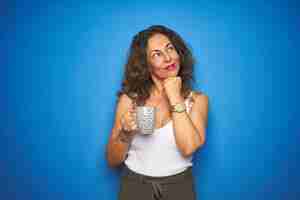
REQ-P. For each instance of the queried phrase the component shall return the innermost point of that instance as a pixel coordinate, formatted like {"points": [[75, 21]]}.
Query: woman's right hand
{"points": [[128, 122]]}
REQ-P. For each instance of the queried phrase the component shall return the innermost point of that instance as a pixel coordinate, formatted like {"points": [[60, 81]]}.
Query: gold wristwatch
{"points": [[179, 108]]}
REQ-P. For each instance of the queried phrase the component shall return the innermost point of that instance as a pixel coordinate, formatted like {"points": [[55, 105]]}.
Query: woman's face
{"points": [[162, 57]]}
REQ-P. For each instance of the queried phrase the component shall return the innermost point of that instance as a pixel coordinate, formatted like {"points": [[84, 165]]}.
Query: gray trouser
{"points": [[138, 187]]}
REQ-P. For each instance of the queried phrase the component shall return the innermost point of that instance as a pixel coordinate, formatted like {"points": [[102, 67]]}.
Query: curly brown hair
{"points": [[137, 81]]}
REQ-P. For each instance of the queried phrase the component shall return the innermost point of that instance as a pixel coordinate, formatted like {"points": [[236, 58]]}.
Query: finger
{"points": [[126, 117], [122, 121], [126, 121], [132, 118], [132, 111], [132, 124], [134, 105], [134, 115], [134, 127], [130, 108], [167, 79], [170, 79], [126, 128]]}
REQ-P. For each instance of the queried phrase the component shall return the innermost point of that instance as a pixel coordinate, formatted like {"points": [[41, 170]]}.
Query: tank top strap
{"points": [[189, 101]]}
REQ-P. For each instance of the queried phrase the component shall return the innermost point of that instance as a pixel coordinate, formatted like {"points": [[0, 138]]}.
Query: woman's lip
{"points": [[171, 67]]}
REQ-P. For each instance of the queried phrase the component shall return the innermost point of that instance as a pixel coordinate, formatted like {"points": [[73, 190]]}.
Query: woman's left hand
{"points": [[172, 86]]}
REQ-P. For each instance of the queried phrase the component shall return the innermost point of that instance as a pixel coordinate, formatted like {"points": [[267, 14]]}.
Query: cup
{"points": [[145, 119]]}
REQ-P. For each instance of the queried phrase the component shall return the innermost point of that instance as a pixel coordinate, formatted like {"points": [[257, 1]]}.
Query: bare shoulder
{"points": [[124, 100], [200, 107], [200, 98]]}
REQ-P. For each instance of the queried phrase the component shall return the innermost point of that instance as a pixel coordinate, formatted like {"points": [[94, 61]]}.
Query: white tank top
{"points": [[157, 154]]}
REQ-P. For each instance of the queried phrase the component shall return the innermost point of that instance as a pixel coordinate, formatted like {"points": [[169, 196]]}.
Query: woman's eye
{"points": [[170, 48], [156, 54]]}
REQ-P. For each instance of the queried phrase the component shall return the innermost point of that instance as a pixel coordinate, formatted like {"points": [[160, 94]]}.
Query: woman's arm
{"points": [[119, 142], [190, 128]]}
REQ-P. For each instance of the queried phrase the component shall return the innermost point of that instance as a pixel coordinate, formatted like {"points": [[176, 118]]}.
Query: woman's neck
{"points": [[158, 88]]}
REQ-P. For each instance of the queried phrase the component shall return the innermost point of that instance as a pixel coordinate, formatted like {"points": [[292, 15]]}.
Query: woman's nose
{"points": [[167, 57]]}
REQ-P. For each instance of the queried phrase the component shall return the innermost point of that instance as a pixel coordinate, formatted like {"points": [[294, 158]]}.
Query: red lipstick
{"points": [[171, 67]]}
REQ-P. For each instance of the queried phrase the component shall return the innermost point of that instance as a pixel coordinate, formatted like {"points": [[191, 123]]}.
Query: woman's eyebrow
{"points": [[157, 50], [169, 44], [154, 50]]}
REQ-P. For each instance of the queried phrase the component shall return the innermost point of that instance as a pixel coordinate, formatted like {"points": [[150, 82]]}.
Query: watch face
{"points": [[179, 108]]}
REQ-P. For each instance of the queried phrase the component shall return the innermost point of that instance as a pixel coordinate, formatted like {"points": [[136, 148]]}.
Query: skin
{"points": [[189, 128]]}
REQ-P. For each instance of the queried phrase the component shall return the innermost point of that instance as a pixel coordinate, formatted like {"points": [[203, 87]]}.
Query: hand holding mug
{"points": [[128, 122]]}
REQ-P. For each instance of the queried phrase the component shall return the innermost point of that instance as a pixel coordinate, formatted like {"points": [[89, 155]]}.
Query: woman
{"points": [[158, 73]]}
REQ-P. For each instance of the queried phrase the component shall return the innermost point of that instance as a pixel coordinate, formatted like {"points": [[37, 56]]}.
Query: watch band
{"points": [[179, 108]]}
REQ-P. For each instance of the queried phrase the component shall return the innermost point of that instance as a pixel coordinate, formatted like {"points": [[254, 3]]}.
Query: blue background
{"points": [[61, 66]]}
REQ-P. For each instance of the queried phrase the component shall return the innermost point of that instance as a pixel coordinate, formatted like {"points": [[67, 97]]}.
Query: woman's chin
{"points": [[166, 75], [173, 74]]}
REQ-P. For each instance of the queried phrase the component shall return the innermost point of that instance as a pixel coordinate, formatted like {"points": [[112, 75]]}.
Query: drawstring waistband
{"points": [[157, 182], [157, 190]]}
